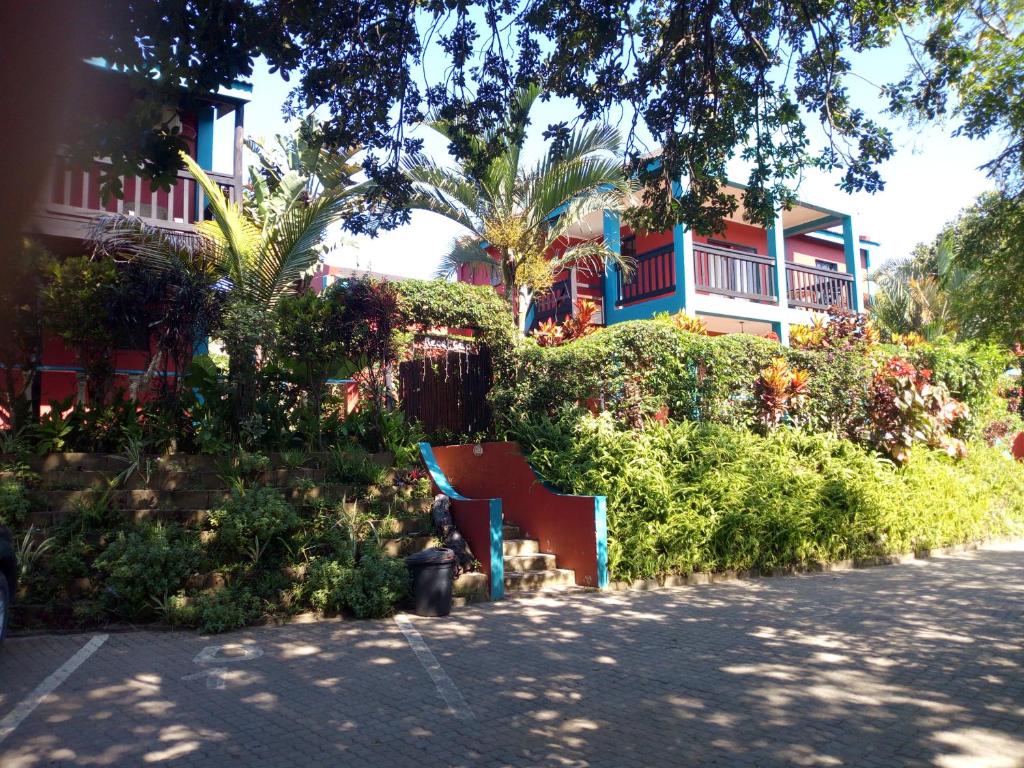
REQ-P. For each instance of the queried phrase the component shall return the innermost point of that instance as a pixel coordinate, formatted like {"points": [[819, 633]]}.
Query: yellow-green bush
{"points": [[685, 497]]}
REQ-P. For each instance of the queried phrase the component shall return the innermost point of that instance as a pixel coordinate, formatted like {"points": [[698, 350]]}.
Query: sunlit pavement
{"points": [[916, 664]]}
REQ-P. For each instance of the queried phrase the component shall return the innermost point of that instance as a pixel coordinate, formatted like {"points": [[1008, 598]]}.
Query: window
{"points": [[831, 266]]}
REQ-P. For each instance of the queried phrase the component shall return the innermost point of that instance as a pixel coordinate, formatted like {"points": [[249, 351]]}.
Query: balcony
{"points": [[737, 274], [555, 305], [734, 273], [655, 275], [813, 288], [72, 200], [560, 302]]}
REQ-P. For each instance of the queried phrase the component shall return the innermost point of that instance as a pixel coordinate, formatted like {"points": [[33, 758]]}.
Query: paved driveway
{"points": [[917, 664]]}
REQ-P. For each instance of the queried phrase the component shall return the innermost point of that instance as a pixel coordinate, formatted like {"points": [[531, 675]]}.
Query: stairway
{"points": [[527, 569]]}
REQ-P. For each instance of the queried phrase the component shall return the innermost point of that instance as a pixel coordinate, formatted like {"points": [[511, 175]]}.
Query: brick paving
{"points": [[910, 665]]}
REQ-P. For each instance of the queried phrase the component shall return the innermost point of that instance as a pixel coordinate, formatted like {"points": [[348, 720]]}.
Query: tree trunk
{"points": [[524, 297]]}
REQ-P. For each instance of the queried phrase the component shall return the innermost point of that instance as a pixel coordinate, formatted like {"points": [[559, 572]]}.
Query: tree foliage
{"points": [[707, 80]]}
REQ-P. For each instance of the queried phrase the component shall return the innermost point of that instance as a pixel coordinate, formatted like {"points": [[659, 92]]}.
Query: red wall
{"points": [[741, 234], [564, 525], [818, 249]]}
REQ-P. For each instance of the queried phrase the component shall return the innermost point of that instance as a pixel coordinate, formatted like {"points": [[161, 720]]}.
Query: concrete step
{"points": [[538, 561], [534, 580], [512, 547], [472, 586]]}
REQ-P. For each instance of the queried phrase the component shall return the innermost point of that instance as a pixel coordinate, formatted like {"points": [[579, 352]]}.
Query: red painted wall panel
{"points": [[741, 234], [564, 525]]}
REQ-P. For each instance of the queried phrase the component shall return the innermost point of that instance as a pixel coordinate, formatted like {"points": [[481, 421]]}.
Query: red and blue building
{"points": [[747, 279]]}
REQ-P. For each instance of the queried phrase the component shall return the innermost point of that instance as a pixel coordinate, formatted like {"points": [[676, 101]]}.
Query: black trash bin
{"points": [[431, 572]]}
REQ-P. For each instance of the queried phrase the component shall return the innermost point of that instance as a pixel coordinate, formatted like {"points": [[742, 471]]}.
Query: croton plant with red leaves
{"points": [[779, 390], [550, 334], [907, 407]]}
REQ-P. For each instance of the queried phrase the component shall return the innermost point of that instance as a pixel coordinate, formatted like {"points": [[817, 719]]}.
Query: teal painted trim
{"points": [[495, 520], [686, 281], [613, 241], [782, 331], [497, 551], [837, 237], [204, 139], [204, 149], [601, 530], [776, 237], [437, 475], [851, 249], [813, 226]]}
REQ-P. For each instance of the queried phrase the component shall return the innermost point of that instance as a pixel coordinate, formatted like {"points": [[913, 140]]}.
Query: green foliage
{"points": [[326, 583], [377, 584], [22, 326], [971, 372], [705, 83], [75, 299], [223, 610], [713, 378], [987, 261], [506, 210], [252, 524], [439, 304], [145, 565], [14, 503], [686, 497]]}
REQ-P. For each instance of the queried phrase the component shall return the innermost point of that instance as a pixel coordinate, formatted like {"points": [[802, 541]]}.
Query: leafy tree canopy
{"points": [[706, 79]]}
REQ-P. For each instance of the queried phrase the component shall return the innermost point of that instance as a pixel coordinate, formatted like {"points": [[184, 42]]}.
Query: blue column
{"points": [[204, 148], [613, 241], [781, 329], [686, 290], [851, 247], [777, 251]]}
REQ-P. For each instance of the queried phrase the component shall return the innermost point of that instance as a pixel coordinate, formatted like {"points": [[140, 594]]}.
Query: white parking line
{"points": [[448, 690], [17, 715]]}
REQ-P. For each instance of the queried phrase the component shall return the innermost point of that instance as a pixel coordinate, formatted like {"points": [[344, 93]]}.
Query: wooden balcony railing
{"points": [[75, 193], [555, 305], [655, 275], [814, 288], [734, 273]]}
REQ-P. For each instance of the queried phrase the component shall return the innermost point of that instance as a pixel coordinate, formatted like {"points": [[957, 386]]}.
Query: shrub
{"points": [[145, 566], [226, 609], [252, 523], [14, 503], [684, 497], [779, 391], [907, 408], [376, 585], [326, 580]]}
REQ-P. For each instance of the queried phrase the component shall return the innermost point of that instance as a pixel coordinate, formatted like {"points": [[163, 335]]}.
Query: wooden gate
{"points": [[448, 393]]}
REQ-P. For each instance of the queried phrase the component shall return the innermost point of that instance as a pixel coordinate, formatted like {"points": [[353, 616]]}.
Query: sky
{"points": [[929, 180]]}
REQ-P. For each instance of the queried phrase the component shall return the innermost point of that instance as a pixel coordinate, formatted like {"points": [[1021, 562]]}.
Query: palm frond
{"points": [[128, 237], [547, 190], [235, 228], [467, 250]]}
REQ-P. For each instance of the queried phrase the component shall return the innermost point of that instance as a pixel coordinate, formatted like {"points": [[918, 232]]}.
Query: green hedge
{"points": [[686, 497], [711, 378]]}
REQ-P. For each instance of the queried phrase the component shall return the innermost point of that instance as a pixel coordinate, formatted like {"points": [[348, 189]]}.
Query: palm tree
{"points": [[260, 251], [517, 220], [914, 293]]}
